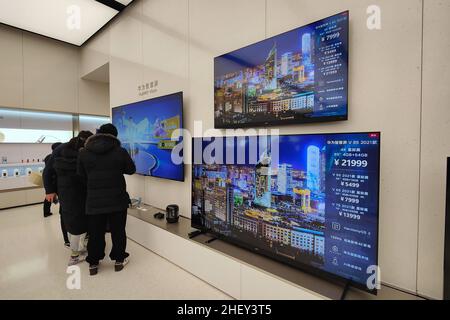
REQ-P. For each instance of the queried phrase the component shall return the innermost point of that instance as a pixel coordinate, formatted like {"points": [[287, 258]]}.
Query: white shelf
{"points": [[20, 164]]}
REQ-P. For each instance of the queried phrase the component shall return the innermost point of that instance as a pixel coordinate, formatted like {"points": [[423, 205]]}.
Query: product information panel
{"points": [[331, 66], [352, 204]]}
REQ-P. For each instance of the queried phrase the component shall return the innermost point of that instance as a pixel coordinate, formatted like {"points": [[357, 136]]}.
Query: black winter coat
{"points": [[71, 190], [49, 174], [102, 163]]}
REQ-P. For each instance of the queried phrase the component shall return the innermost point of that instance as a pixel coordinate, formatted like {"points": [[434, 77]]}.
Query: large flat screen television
{"points": [[145, 130], [310, 201], [299, 76]]}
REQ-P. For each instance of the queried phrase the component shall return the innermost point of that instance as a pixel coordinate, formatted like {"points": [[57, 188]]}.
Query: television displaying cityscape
{"points": [[299, 76], [308, 200], [145, 130]]}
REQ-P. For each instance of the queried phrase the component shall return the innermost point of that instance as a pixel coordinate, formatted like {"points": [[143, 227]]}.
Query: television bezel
{"points": [[291, 121], [180, 93], [332, 277]]}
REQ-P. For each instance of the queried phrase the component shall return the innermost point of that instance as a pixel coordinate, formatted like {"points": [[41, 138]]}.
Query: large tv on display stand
{"points": [[310, 201], [145, 130], [300, 76]]}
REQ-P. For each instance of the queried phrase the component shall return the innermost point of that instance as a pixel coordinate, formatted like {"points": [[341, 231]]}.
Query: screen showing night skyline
{"points": [[295, 77], [308, 200], [145, 130]]}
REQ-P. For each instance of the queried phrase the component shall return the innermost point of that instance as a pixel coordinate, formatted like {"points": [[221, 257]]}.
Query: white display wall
{"points": [[43, 74], [175, 41]]}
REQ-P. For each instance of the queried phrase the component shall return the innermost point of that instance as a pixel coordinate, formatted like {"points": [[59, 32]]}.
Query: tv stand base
{"points": [[211, 240], [345, 290], [195, 233]]}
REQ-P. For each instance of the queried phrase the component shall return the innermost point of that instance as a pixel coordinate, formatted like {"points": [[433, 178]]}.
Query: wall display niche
{"points": [[26, 137], [24, 126]]}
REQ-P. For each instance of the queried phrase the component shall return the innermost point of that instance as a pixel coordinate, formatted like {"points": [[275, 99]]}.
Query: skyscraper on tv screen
{"points": [[271, 69], [285, 179], [313, 169], [306, 49]]}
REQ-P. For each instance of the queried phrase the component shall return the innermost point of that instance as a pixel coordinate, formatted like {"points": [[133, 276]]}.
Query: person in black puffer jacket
{"points": [[50, 185], [48, 204], [72, 195], [102, 163]]}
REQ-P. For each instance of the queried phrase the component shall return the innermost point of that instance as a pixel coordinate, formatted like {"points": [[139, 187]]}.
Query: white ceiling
{"points": [[72, 21]]}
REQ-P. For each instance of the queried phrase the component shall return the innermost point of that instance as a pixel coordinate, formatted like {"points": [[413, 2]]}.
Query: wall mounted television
{"points": [[299, 76], [310, 201], [145, 130]]}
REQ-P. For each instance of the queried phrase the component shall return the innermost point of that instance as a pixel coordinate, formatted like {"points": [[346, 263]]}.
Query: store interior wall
{"points": [[435, 146], [175, 41], [397, 86], [43, 74], [38, 73]]}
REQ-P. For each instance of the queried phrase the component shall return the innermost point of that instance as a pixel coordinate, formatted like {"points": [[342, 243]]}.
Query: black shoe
{"points": [[48, 214], [118, 266], [93, 269]]}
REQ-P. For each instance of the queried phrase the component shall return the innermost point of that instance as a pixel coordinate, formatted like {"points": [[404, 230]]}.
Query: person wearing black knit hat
{"points": [[102, 163], [108, 128]]}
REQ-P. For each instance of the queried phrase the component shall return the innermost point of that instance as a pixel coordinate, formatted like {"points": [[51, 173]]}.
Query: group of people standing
{"points": [[86, 176]]}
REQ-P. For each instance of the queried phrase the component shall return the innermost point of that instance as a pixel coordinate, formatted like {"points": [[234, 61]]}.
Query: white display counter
{"points": [[19, 191], [240, 273]]}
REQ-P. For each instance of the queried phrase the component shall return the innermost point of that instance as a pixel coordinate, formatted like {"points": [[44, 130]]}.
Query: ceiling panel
{"points": [[72, 21]]}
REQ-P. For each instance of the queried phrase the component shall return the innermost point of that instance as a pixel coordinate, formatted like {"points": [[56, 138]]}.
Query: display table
{"points": [[19, 191], [16, 183], [240, 273]]}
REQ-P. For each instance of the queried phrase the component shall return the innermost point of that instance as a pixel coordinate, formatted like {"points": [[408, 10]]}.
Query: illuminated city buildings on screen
{"points": [[307, 200], [278, 86], [298, 75], [281, 208]]}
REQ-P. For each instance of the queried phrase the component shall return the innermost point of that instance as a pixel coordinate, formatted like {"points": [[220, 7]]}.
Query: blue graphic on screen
{"points": [[145, 130], [298, 76], [306, 199]]}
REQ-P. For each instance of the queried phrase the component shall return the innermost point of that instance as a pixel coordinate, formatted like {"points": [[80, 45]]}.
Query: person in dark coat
{"points": [[102, 163], [48, 204], [49, 179], [72, 195]]}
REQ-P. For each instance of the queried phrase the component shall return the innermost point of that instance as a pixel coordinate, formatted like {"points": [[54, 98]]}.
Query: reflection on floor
{"points": [[33, 264]]}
